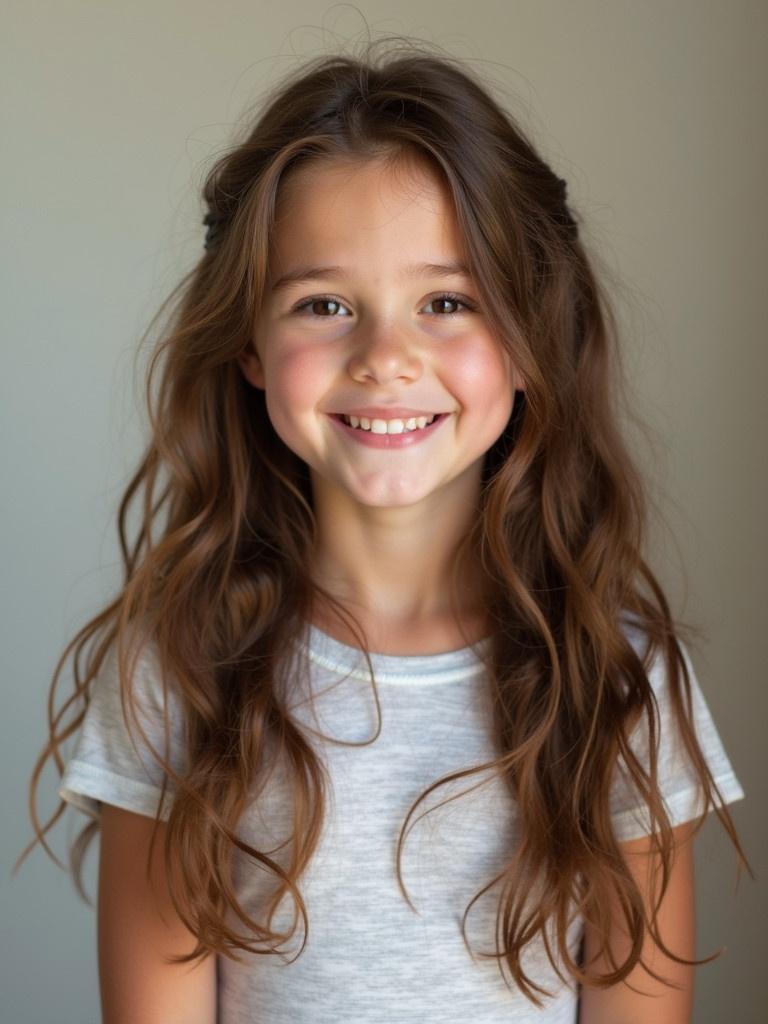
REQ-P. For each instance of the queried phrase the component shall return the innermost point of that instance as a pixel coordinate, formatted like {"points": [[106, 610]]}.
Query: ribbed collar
{"points": [[446, 667]]}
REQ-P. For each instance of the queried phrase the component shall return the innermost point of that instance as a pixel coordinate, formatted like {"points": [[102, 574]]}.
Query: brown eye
{"points": [[317, 303], [451, 300]]}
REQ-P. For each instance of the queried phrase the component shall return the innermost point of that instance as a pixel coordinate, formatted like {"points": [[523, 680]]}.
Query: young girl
{"points": [[390, 720]]}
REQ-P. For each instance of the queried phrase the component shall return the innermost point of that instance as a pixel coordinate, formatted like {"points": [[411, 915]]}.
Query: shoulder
{"points": [[134, 668], [674, 740], [668, 668]]}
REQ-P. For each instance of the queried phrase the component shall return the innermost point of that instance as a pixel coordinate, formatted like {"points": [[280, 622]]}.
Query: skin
{"points": [[676, 923], [388, 520]]}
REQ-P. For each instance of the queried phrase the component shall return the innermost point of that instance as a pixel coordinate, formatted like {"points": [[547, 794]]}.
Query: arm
{"points": [[136, 984], [676, 925]]}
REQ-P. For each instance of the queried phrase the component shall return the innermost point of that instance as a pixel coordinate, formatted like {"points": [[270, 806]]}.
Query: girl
{"points": [[390, 560]]}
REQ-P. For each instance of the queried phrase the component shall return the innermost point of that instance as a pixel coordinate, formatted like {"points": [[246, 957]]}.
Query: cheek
{"points": [[293, 388], [483, 373]]}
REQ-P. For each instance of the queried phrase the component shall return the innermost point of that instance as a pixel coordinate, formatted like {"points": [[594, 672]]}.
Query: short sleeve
{"points": [[680, 788], [109, 764]]}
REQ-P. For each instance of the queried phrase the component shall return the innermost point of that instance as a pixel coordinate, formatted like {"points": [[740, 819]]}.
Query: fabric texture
{"points": [[369, 957]]}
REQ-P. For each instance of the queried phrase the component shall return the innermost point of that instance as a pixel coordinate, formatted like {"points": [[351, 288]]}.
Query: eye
{"points": [[318, 300], [450, 297]]}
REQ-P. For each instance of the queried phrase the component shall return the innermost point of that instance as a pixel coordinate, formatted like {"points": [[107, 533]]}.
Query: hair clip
{"points": [[563, 215], [215, 222]]}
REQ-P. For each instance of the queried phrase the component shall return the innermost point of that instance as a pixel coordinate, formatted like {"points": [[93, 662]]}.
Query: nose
{"points": [[384, 352]]}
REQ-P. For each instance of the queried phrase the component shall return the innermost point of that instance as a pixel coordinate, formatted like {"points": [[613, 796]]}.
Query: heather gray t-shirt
{"points": [[369, 957]]}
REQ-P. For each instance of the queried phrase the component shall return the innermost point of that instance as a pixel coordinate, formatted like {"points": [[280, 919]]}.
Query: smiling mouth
{"points": [[396, 425]]}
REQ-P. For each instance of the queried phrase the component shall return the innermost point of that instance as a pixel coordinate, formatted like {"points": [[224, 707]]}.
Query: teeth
{"points": [[389, 426]]}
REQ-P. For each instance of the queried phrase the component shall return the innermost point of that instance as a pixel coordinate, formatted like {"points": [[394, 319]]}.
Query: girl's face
{"points": [[353, 319]]}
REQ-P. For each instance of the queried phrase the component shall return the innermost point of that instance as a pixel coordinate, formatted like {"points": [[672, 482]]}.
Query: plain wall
{"points": [[111, 113]]}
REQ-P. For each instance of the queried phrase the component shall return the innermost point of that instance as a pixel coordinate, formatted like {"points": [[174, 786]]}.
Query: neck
{"points": [[396, 569]]}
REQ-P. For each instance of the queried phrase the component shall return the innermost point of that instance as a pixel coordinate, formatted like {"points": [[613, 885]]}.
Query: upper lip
{"points": [[387, 412]]}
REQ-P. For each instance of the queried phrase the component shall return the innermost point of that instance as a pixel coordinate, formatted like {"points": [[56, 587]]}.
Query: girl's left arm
{"points": [[677, 927]]}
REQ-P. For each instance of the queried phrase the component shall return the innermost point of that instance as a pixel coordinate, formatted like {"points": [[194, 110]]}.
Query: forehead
{"points": [[354, 205]]}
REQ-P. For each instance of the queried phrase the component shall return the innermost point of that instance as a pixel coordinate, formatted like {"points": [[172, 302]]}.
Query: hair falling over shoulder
{"points": [[216, 574]]}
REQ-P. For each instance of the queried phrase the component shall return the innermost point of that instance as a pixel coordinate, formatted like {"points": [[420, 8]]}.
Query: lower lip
{"points": [[404, 440]]}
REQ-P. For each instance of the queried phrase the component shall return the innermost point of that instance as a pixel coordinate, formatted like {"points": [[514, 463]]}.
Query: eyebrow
{"points": [[454, 268]]}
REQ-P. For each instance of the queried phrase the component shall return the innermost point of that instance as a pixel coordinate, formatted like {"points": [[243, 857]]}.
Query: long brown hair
{"points": [[216, 574]]}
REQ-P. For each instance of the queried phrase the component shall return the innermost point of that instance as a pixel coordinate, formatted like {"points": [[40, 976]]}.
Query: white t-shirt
{"points": [[368, 956]]}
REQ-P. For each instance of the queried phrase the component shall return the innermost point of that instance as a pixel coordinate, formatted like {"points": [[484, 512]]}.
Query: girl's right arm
{"points": [[136, 984]]}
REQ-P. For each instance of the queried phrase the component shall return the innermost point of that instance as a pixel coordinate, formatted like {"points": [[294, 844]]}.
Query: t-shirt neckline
{"points": [[445, 667]]}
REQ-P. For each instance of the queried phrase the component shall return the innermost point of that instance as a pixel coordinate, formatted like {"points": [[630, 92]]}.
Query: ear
{"points": [[251, 367]]}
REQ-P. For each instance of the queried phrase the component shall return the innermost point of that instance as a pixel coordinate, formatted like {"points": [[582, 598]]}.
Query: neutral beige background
{"points": [[111, 113]]}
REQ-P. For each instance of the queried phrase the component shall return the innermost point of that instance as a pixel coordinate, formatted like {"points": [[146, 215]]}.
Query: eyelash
{"points": [[451, 296]]}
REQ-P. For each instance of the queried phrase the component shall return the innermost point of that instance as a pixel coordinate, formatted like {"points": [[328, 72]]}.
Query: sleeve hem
{"points": [[86, 788], [680, 807]]}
